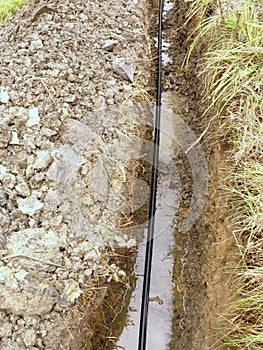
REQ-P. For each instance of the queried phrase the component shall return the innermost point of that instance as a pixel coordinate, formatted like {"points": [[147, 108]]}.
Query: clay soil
{"points": [[202, 270]]}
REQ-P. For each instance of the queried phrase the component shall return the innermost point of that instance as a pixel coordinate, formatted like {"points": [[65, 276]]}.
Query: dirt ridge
{"points": [[62, 110]]}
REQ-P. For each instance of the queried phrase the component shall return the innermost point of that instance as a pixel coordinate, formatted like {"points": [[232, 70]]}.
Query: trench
{"points": [[193, 245]]}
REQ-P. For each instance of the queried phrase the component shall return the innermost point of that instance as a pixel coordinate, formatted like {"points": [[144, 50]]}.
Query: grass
{"points": [[232, 69], [9, 7]]}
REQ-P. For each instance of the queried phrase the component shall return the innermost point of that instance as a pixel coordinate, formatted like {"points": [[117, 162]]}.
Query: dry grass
{"points": [[232, 67]]}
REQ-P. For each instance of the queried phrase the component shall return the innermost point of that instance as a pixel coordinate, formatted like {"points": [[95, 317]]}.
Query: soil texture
{"points": [[204, 254], [69, 73]]}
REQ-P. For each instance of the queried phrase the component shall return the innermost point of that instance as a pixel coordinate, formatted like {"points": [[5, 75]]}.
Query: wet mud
{"points": [[202, 252], [202, 277]]}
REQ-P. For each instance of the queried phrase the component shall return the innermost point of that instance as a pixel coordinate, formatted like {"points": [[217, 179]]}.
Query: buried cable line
{"points": [[152, 208]]}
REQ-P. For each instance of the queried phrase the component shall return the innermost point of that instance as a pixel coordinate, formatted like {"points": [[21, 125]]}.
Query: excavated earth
{"points": [[66, 116]]}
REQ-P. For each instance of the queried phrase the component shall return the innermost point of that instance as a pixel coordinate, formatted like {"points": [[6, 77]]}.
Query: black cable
{"points": [[152, 208]]}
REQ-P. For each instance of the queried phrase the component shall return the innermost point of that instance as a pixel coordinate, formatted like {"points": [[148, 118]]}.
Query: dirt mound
{"points": [[61, 109]]}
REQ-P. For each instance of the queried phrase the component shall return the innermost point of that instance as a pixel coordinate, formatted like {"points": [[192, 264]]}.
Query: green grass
{"points": [[9, 7], [232, 68]]}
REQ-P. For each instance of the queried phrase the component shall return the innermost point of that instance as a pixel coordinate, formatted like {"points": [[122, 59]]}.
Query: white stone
{"points": [[92, 255], [111, 82], [121, 67], [33, 117], [53, 198], [37, 243], [5, 272], [65, 169], [3, 172], [127, 87], [4, 97], [88, 272], [36, 44], [21, 274], [109, 44], [83, 17], [23, 189], [15, 139], [131, 243], [72, 290], [43, 160], [29, 205], [29, 338], [32, 222]]}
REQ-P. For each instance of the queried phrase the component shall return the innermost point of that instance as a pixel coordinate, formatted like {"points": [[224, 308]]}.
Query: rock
{"points": [[71, 291], [109, 44], [33, 117], [43, 159], [83, 17], [29, 337], [131, 243], [23, 189], [121, 67], [37, 243], [65, 169], [63, 133], [5, 329], [3, 172], [92, 255], [35, 298], [70, 98], [111, 83], [4, 97], [53, 198], [36, 44], [127, 87], [29, 205], [21, 274], [2, 241], [14, 139], [54, 72]]}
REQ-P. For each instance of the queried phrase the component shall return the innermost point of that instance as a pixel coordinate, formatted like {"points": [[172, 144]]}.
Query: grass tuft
{"points": [[9, 7], [232, 69]]}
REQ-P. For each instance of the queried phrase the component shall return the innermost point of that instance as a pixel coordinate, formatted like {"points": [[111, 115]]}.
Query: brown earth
{"points": [[203, 279], [66, 116]]}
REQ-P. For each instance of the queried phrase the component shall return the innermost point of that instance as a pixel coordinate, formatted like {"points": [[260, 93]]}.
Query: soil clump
{"points": [[66, 120]]}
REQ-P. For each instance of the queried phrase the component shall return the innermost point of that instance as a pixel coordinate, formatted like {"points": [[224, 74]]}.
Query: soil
{"points": [[67, 115], [202, 268], [67, 174]]}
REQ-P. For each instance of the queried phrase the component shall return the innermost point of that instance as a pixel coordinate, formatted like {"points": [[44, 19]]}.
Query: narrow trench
{"points": [[193, 244]]}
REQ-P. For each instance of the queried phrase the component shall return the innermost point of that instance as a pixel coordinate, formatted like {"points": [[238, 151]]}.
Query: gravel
{"points": [[60, 101]]}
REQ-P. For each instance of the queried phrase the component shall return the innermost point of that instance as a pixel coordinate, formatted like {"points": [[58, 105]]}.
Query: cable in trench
{"points": [[150, 230]]}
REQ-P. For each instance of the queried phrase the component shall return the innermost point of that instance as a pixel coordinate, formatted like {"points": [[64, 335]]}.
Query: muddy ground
{"points": [[68, 116], [202, 268]]}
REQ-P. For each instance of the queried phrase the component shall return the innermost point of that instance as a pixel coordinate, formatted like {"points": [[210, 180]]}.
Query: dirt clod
{"points": [[60, 110]]}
